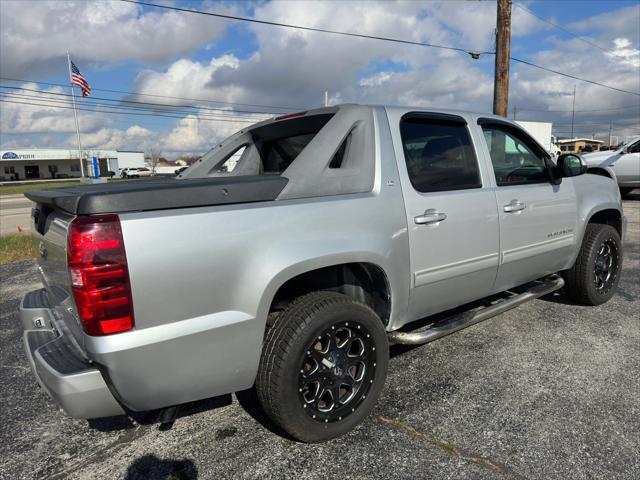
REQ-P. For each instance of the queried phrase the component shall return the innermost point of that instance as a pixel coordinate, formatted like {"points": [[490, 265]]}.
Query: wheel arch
{"points": [[364, 281], [608, 216], [602, 171]]}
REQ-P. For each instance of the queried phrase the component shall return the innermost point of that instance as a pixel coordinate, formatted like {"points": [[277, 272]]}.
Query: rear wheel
{"points": [[594, 277], [323, 366]]}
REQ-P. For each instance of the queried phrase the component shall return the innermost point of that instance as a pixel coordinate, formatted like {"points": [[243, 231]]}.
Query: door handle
{"points": [[430, 216], [514, 206]]}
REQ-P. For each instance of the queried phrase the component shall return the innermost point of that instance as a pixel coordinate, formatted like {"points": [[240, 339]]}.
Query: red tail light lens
{"points": [[99, 274], [291, 115]]}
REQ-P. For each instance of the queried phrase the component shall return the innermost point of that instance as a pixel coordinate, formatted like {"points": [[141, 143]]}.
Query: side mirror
{"points": [[624, 151], [571, 165]]}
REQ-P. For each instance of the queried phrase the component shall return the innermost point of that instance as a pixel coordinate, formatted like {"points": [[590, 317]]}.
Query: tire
{"points": [[624, 191], [594, 277], [305, 360]]}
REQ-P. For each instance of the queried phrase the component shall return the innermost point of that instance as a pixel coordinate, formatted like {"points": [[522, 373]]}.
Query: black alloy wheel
{"points": [[323, 366], [337, 371], [605, 269], [595, 275]]}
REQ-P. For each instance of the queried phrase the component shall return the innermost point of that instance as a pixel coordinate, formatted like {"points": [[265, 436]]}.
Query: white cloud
{"points": [[36, 34], [623, 50], [138, 131], [195, 134], [36, 112], [293, 68]]}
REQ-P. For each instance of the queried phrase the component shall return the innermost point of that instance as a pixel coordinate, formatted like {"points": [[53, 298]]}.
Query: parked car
{"points": [[336, 230], [622, 164], [136, 172]]}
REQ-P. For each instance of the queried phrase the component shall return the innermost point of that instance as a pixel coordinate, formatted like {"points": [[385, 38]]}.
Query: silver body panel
{"points": [[625, 166], [203, 279]]}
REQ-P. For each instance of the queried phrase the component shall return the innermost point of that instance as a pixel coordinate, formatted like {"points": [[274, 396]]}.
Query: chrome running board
{"points": [[458, 322]]}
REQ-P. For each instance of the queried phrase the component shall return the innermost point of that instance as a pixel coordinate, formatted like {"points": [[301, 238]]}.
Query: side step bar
{"points": [[458, 322]]}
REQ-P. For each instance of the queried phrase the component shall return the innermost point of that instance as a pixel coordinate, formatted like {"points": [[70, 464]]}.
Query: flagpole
{"points": [[75, 114]]}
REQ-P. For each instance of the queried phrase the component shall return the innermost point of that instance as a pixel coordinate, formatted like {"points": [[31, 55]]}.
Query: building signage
{"points": [[15, 156]]}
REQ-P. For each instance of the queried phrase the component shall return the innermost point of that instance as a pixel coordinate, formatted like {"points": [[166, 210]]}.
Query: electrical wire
{"points": [[135, 105], [154, 95], [310, 29], [373, 37], [531, 64], [637, 107], [530, 12], [125, 113]]}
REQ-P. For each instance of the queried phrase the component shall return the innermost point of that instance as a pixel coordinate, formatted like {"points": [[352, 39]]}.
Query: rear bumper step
{"points": [[466, 319], [60, 368]]}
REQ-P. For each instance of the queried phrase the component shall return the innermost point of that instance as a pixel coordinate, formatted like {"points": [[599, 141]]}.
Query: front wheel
{"points": [[323, 366], [594, 277]]}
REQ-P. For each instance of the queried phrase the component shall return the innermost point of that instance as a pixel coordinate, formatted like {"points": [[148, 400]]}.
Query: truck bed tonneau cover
{"points": [[159, 194]]}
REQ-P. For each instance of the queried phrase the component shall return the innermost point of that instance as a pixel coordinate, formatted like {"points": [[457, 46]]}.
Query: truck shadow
{"points": [[152, 417], [248, 400], [150, 466]]}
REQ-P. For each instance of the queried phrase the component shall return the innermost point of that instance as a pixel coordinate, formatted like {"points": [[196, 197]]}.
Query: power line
{"points": [[124, 113], [530, 12], [637, 107], [56, 102], [519, 60], [153, 105], [310, 29], [156, 95], [373, 37]]}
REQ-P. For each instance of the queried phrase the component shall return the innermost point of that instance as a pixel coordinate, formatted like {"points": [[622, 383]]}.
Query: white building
{"points": [[42, 163]]}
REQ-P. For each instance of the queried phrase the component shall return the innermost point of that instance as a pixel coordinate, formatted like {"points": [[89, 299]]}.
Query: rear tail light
{"points": [[99, 275]]}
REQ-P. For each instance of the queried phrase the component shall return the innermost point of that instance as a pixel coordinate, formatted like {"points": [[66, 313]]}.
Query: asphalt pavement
{"points": [[15, 211], [549, 390]]}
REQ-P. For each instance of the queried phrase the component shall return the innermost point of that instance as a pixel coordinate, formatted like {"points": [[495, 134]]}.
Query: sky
{"points": [[207, 77]]}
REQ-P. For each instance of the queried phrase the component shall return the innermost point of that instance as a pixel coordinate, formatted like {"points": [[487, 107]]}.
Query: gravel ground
{"points": [[548, 390]]}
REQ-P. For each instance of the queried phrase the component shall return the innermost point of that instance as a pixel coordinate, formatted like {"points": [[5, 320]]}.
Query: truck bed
{"points": [[159, 194]]}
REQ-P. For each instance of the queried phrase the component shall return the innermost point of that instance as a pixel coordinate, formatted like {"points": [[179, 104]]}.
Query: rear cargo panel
{"points": [[49, 234]]}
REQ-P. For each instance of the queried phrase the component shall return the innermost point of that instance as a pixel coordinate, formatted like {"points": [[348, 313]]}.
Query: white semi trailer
{"points": [[541, 131]]}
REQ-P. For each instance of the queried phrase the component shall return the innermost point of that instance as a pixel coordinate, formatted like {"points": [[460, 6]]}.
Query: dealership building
{"points": [[43, 163]]}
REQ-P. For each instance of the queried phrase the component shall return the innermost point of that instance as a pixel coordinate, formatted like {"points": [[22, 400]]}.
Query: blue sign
{"points": [[15, 156], [96, 169]]}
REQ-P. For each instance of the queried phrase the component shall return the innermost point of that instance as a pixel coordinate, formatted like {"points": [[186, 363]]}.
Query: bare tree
{"points": [[152, 157]]}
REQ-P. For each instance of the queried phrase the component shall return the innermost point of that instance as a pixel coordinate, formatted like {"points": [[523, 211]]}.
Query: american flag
{"points": [[78, 79]]}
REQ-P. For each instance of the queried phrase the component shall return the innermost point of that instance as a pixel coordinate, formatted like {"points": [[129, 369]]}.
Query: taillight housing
{"points": [[99, 274]]}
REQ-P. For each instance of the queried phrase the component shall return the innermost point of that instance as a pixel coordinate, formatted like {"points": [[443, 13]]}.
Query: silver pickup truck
{"points": [[291, 254]]}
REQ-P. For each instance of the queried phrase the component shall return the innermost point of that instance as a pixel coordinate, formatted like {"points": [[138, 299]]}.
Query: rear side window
{"points": [[280, 143], [283, 151], [439, 155]]}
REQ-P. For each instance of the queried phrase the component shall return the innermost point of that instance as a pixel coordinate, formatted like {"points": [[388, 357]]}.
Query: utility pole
{"points": [[501, 74], [610, 128], [515, 111], [326, 98], [573, 110]]}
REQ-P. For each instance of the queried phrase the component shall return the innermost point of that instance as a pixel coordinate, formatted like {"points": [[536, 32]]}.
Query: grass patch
{"points": [[16, 247], [16, 189]]}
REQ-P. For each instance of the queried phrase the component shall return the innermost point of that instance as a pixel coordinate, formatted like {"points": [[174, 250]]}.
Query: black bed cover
{"points": [[159, 194]]}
